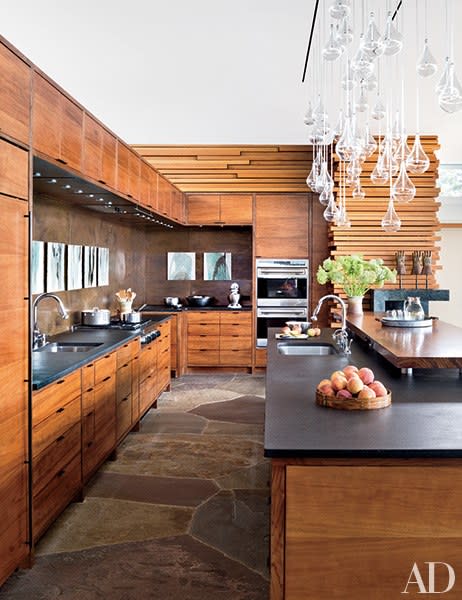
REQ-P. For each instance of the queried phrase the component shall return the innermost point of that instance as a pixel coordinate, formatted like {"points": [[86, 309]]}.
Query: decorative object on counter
{"points": [[181, 266], [200, 301], [400, 259], [89, 266], [352, 389], [172, 301], [234, 296], [74, 267], [125, 299], [412, 309], [103, 266], [55, 267], [416, 265], [37, 267], [217, 266], [426, 265], [95, 316], [355, 275], [392, 321]]}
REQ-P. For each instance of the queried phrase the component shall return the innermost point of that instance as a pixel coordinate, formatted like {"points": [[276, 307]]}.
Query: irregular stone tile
{"points": [[245, 409], [102, 521], [173, 491], [157, 421], [254, 477], [250, 430], [248, 385], [183, 455], [190, 398], [237, 523], [202, 380], [171, 569]]}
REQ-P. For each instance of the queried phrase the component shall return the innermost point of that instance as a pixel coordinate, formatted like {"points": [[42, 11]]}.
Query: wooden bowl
{"points": [[353, 403]]}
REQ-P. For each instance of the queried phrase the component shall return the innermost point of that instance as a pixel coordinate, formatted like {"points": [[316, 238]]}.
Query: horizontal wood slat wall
{"points": [[232, 168], [419, 220]]}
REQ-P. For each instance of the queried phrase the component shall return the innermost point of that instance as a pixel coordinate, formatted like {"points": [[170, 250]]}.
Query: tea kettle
{"points": [[412, 309]]}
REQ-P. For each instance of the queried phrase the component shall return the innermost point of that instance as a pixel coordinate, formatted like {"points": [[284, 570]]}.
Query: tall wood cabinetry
{"points": [[14, 535], [220, 209], [14, 96]]}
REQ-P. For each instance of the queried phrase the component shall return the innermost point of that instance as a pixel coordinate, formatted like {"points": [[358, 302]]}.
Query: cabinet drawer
{"points": [[61, 451], [57, 495], [203, 357], [238, 342], [203, 329], [203, 342], [124, 354], [48, 430], [124, 416], [203, 316], [88, 376], [105, 367], [88, 401], [148, 360], [124, 382], [147, 393], [47, 401], [135, 347], [242, 358], [236, 317], [242, 329]]}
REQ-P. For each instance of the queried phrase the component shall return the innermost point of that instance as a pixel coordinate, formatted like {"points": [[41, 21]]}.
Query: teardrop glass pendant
{"points": [[450, 97], [426, 67], [378, 112], [339, 9], [342, 220], [319, 113], [313, 175], [309, 120], [332, 50], [389, 162], [379, 176], [417, 162], [361, 103], [358, 191], [444, 76], [346, 145], [322, 180], [330, 211], [370, 143], [402, 149], [340, 124], [324, 196], [403, 189], [391, 222], [373, 42], [393, 40], [345, 32]]}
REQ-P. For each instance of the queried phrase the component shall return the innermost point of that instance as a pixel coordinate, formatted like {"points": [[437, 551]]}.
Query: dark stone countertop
{"points": [[424, 419], [50, 366], [170, 309]]}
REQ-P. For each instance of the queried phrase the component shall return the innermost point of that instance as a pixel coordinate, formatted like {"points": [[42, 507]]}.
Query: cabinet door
{"points": [[177, 208], [123, 162], [281, 226], [203, 209], [109, 162], [164, 197], [153, 192], [14, 169], [71, 133], [134, 168], [14, 96], [236, 209], [92, 148], [145, 181]]}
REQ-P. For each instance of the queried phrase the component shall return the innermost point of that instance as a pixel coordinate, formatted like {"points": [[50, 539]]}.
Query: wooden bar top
{"points": [[438, 346]]}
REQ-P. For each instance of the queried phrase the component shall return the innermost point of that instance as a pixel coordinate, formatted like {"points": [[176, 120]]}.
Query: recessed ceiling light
{"points": [[67, 186], [52, 181], [37, 174]]}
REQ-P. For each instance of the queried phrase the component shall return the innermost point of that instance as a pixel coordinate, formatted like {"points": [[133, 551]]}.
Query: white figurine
{"points": [[234, 296]]}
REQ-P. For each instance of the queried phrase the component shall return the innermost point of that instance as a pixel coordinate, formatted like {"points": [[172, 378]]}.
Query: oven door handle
{"points": [[275, 313], [282, 274]]}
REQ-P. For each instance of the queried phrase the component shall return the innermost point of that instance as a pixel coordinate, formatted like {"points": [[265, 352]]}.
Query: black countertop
{"points": [[425, 418], [50, 366], [170, 309]]}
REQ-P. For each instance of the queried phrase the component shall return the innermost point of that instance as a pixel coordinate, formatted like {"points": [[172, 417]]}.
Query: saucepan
{"points": [[133, 317], [96, 316]]}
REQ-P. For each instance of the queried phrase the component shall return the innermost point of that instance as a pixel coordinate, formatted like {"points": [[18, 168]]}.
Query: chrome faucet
{"points": [[340, 335], [40, 339]]}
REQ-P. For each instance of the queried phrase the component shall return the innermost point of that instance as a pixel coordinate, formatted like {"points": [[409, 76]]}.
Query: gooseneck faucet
{"points": [[39, 338], [340, 335]]}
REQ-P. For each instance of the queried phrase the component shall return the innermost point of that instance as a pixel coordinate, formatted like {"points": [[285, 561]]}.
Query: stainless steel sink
{"points": [[69, 347], [306, 349]]}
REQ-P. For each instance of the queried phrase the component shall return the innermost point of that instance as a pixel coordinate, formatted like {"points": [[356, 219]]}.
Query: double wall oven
{"points": [[282, 293]]}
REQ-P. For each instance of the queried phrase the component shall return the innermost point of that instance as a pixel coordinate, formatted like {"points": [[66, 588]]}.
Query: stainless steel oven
{"points": [[282, 282], [276, 317]]}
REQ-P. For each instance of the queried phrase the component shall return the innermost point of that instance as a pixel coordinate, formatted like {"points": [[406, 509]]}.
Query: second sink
{"points": [[68, 347], [306, 349]]}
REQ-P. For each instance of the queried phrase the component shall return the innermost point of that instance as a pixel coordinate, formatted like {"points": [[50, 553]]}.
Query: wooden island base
{"points": [[352, 529]]}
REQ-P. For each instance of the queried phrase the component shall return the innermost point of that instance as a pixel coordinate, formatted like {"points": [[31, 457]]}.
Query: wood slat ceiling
{"points": [[249, 168]]}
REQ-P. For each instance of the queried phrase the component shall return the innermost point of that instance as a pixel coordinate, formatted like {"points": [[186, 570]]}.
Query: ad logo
{"points": [[428, 586]]}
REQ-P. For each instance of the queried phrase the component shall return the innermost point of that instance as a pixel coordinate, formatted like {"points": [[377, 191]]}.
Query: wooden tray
{"points": [[353, 403]]}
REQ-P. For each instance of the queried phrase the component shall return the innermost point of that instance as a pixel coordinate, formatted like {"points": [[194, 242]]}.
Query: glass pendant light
{"points": [[330, 211], [426, 67], [378, 112], [379, 175], [373, 42], [311, 179], [324, 196], [389, 162], [450, 97], [403, 189], [342, 220], [345, 32], [353, 169], [402, 149], [345, 146], [417, 162], [370, 143], [319, 114], [309, 119], [393, 40], [444, 76], [358, 191], [322, 179], [348, 78], [391, 222], [370, 84], [361, 104], [340, 124], [332, 50], [339, 9]]}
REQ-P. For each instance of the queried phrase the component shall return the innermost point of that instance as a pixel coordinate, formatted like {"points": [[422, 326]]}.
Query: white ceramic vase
{"points": [[355, 305]]}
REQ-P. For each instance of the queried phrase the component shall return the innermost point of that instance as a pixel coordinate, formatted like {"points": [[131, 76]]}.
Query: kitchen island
{"points": [[358, 497]]}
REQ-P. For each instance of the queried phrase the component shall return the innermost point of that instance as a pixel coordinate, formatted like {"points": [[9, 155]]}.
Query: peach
{"points": [[326, 389], [379, 389], [338, 381], [366, 375], [317, 331], [343, 394], [354, 384], [323, 382], [310, 332], [350, 370], [366, 392], [285, 330]]}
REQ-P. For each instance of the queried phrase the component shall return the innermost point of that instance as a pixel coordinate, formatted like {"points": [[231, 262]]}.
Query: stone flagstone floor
{"points": [[182, 513]]}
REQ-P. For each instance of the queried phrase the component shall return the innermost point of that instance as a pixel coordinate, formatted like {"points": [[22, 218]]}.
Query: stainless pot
{"points": [[132, 317], [96, 316], [172, 301]]}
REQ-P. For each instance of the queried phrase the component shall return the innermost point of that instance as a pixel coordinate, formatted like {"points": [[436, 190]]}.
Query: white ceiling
{"points": [[208, 71]]}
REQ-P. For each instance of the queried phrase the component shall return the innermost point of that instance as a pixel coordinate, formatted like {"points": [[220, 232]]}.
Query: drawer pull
{"points": [[90, 365], [60, 438], [90, 389], [89, 444], [60, 410], [124, 399], [60, 381], [106, 378], [61, 473]]}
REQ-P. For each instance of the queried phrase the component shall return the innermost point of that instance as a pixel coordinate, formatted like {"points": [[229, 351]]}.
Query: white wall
{"points": [[450, 277]]}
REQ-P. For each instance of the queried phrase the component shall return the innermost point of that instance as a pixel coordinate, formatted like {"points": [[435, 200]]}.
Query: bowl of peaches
{"points": [[298, 329], [352, 388]]}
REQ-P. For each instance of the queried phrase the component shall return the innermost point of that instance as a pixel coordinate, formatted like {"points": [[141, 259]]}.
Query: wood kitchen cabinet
{"points": [[281, 225], [164, 197], [14, 171], [219, 339], [177, 205], [57, 124], [56, 449], [99, 152], [219, 209], [14, 95], [124, 387], [163, 357], [148, 376], [14, 534], [98, 412]]}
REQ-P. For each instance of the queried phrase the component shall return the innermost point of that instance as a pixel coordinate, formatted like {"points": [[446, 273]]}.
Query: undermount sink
{"points": [[68, 347], [306, 349]]}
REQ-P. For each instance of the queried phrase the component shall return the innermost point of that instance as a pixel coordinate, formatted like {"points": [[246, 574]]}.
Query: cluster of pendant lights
{"points": [[351, 137]]}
